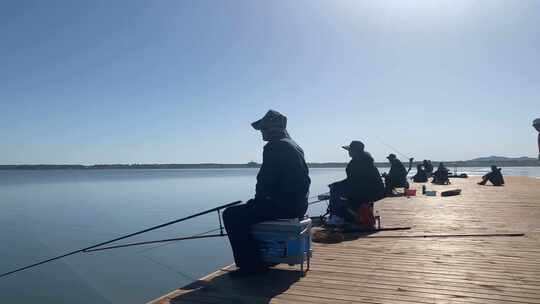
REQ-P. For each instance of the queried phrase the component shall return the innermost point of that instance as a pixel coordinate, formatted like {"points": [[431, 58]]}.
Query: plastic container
{"points": [[284, 241], [431, 193], [410, 192]]}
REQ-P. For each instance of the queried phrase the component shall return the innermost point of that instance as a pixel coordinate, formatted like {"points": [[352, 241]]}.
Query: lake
{"points": [[46, 213]]}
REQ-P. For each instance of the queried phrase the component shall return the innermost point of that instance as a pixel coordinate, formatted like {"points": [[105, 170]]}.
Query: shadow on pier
{"points": [[258, 289]]}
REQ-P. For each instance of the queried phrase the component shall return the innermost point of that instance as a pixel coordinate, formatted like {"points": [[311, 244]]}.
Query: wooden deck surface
{"points": [[411, 269]]}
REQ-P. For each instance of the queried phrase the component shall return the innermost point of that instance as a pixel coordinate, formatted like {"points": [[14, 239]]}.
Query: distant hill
{"points": [[500, 161], [503, 158]]}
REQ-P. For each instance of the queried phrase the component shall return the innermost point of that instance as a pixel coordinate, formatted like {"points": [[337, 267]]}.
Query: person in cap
{"points": [[397, 176], [536, 125], [421, 175], [495, 177], [440, 176], [281, 191], [363, 185], [428, 167]]}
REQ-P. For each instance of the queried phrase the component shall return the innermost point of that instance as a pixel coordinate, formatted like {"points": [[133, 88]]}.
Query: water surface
{"points": [[46, 213]]}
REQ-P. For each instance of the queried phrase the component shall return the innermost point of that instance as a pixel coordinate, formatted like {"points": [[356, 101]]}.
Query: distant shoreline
{"points": [[450, 164]]}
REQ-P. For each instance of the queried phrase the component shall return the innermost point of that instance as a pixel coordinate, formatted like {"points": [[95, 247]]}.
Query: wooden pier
{"points": [[429, 263]]}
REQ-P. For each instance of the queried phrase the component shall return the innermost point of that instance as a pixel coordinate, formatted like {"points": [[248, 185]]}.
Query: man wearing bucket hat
{"points": [[281, 191], [536, 125], [362, 185], [396, 177]]}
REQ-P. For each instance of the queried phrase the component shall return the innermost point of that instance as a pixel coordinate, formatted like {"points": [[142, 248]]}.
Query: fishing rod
{"points": [[396, 150], [216, 209], [94, 248], [192, 237], [411, 159], [321, 198]]}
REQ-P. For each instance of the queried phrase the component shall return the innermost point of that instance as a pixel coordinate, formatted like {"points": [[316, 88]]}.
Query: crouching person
{"points": [[281, 192], [362, 187], [495, 177]]}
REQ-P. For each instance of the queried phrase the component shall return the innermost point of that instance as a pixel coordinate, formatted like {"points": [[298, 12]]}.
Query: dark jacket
{"points": [[283, 178], [440, 176], [428, 167], [364, 183], [420, 177], [495, 177], [397, 176]]}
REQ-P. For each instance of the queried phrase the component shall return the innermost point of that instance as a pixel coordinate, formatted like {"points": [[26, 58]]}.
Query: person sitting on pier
{"points": [[397, 176], [281, 192], [440, 177], [495, 177], [421, 175], [428, 167], [360, 189]]}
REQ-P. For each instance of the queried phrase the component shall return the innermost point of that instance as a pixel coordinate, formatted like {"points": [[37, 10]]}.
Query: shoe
{"points": [[248, 271]]}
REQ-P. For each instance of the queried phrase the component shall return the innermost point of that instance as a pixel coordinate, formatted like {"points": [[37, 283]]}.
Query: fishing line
{"points": [[172, 242], [395, 150], [171, 268]]}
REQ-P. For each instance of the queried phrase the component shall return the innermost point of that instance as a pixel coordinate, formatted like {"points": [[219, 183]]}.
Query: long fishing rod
{"points": [[192, 237], [321, 198], [197, 236], [396, 150], [216, 209], [411, 159]]}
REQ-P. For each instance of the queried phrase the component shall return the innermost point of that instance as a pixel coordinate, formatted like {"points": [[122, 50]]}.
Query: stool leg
{"points": [[302, 268], [308, 261]]}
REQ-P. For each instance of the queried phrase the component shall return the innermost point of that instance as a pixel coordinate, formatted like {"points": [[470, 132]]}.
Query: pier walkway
{"points": [[422, 265]]}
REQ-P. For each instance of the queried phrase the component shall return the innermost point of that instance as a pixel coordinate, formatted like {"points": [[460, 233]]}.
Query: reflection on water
{"points": [[45, 213]]}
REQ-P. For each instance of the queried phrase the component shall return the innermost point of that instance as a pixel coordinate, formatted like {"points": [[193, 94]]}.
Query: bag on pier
{"points": [[363, 216]]}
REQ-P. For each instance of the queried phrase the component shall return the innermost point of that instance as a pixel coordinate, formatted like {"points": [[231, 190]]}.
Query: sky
{"points": [[86, 82]]}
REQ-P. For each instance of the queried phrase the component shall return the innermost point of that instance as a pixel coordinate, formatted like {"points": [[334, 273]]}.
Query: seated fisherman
{"points": [[495, 177], [281, 192], [397, 176], [363, 185], [428, 167], [421, 175], [440, 176]]}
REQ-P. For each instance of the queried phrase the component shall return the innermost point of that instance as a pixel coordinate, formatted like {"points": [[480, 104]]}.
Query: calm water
{"points": [[46, 213]]}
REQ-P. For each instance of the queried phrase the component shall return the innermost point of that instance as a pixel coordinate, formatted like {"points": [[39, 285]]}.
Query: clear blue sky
{"points": [[180, 81]]}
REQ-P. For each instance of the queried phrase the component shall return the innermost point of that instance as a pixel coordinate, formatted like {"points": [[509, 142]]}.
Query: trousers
{"points": [[338, 203]]}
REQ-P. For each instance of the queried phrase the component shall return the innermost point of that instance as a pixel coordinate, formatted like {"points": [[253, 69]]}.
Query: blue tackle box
{"points": [[285, 241]]}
